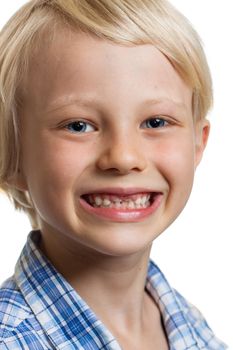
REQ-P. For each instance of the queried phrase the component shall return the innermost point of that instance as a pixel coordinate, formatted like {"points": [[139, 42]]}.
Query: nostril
{"points": [[121, 158]]}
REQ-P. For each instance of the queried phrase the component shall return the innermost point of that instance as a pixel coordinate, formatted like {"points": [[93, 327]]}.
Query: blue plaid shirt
{"points": [[39, 310]]}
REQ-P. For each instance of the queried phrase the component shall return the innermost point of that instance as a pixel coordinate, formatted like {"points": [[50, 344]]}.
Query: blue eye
{"points": [[80, 127], [154, 123]]}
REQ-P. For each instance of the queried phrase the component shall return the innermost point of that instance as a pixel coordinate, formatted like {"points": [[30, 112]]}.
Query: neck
{"points": [[114, 287]]}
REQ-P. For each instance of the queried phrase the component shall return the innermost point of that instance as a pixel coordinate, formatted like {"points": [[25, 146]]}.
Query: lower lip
{"points": [[120, 215]]}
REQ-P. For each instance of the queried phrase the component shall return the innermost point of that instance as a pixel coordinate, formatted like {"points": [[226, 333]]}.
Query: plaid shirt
{"points": [[39, 310]]}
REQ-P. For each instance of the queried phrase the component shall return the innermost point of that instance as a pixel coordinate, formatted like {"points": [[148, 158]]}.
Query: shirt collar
{"points": [[67, 319], [180, 333]]}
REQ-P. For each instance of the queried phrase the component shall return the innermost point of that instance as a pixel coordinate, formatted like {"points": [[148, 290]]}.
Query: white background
{"points": [[196, 251]]}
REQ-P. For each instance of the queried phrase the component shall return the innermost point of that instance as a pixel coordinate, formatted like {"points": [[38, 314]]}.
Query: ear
{"points": [[18, 181], [202, 135]]}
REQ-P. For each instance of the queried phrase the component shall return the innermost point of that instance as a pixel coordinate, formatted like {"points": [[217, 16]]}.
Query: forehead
{"points": [[77, 64]]}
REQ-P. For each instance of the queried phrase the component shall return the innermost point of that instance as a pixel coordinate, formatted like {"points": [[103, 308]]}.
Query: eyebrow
{"points": [[91, 101], [161, 100]]}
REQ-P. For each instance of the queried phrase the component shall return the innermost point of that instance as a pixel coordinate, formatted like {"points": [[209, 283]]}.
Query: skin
{"points": [[118, 150]]}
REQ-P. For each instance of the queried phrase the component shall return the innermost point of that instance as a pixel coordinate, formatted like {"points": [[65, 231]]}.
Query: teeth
{"points": [[131, 205], [118, 205], [108, 201], [144, 199], [138, 200], [97, 200]]}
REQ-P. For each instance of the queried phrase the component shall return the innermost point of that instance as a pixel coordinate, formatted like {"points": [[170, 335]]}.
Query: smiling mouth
{"points": [[120, 202]]}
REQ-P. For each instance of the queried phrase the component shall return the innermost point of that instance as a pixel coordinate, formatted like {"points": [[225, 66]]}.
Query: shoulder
{"points": [[198, 323], [183, 321], [194, 316], [15, 315], [13, 308]]}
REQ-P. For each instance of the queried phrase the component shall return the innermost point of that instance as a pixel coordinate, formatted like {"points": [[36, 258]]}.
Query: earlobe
{"points": [[202, 135], [18, 181]]}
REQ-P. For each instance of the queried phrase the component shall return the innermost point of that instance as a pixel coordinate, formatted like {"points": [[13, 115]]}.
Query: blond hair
{"points": [[126, 22]]}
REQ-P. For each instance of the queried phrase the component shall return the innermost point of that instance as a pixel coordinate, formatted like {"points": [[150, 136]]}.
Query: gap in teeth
{"points": [[112, 201]]}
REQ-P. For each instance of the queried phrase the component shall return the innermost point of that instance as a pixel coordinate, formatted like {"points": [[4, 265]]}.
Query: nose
{"points": [[122, 155]]}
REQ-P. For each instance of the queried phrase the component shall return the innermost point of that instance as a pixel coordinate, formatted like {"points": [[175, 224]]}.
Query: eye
{"points": [[80, 127], [155, 123]]}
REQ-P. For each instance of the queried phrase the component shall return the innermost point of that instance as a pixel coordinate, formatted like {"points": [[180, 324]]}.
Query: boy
{"points": [[103, 123]]}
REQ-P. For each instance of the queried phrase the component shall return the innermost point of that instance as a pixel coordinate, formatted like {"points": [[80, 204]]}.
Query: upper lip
{"points": [[120, 191]]}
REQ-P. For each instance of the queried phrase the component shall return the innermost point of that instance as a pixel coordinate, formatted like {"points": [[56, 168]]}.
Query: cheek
{"points": [[52, 171], [176, 161], [55, 162]]}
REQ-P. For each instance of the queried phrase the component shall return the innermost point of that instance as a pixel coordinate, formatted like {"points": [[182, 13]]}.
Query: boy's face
{"points": [[89, 125]]}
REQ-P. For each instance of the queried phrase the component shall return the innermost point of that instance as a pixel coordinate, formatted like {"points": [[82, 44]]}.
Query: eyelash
{"points": [[80, 123], [157, 120]]}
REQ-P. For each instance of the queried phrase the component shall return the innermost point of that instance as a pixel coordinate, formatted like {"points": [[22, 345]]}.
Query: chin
{"points": [[119, 243]]}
